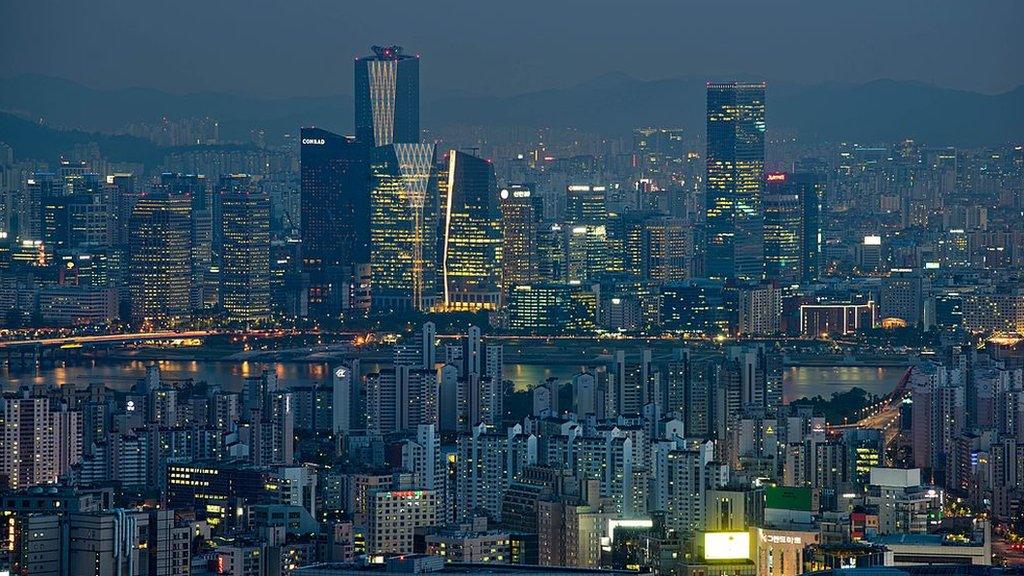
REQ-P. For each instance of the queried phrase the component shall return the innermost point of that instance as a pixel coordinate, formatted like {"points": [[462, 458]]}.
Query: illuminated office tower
{"points": [[159, 269], [792, 226], [77, 214], [519, 259], [471, 234], [783, 232], [121, 189], [403, 227], [665, 245], [586, 204], [30, 210], [387, 87], [551, 308], [811, 188], [735, 173], [335, 204], [588, 254], [245, 258], [226, 185], [658, 150], [202, 224], [551, 256], [868, 254]]}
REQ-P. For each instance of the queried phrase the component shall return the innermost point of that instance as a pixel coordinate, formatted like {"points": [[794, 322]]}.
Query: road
{"points": [[99, 338]]}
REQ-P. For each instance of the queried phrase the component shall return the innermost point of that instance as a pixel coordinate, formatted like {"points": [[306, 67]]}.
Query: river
{"points": [[798, 381]]}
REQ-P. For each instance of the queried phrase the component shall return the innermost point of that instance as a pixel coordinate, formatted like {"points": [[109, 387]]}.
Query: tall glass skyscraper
{"points": [[387, 89], [735, 176], [783, 231], [792, 226], [159, 265], [335, 205], [245, 260], [471, 234], [519, 255], [404, 226]]}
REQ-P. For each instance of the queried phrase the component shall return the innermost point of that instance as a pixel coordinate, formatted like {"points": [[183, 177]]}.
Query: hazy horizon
{"points": [[269, 49]]}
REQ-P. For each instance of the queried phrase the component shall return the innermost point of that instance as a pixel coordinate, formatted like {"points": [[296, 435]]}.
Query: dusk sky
{"points": [[305, 47]]}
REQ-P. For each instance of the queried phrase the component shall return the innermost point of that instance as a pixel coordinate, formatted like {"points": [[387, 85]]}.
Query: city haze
{"points": [[278, 49]]}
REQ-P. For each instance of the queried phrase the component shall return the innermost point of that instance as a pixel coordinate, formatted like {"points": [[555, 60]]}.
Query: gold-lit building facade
{"points": [[245, 266], [404, 226], [159, 263], [471, 235]]}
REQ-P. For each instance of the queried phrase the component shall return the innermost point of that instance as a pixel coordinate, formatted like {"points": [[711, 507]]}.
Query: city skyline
{"points": [[715, 327]]}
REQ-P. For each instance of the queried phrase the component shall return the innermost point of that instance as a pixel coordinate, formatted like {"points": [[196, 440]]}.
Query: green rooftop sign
{"points": [[788, 498]]}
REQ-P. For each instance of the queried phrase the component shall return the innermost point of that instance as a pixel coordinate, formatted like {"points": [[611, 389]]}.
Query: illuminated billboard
{"points": [[727, 546]]}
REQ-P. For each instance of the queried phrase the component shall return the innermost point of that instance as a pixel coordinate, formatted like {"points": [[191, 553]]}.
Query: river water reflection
{"points": [[798, 381]]}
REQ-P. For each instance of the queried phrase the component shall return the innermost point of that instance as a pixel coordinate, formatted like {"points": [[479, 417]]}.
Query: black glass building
{"points": [[735, 174], [335, 204], [387, 89]]}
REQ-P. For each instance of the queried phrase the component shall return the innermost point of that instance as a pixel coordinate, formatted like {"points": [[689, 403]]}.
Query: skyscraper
{"points": [[586, 204], [519, 258], [335, 174], [471, 234], [387, 86], [403, 227], [202, 232], [783, 231], [159, 270], [792, 226], [245, 266], [735, 172]]}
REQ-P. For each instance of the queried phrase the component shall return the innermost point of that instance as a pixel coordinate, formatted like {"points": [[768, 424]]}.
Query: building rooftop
{"points": [[387, 53], [421, 563]]}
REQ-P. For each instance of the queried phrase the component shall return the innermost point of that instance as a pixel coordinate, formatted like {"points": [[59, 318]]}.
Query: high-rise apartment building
{"points": [[394, 516], [40, 442]]}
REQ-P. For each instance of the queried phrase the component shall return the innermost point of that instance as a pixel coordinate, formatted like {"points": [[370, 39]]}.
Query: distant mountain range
{"points": [[65, 104], [883, 110], [31, 140]]}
